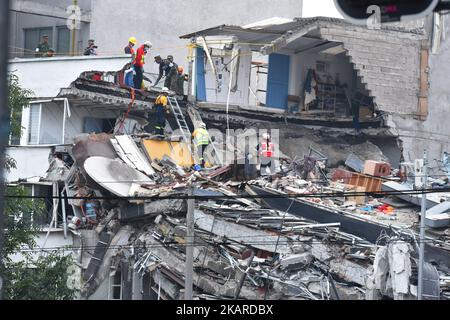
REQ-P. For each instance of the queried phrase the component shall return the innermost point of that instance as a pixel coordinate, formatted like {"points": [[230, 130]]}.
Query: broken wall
{"points": [[301, 62], [388, 62], [434, 132]]}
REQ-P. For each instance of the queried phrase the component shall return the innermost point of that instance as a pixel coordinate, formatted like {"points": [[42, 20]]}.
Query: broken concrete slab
{"points": [[114, 175], [241, 234], [296, 261]]}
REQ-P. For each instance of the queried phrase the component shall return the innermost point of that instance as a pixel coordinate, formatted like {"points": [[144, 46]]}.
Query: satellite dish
{"points": [[114, 175]]}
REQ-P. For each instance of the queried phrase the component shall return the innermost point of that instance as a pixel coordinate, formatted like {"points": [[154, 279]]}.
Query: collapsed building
{"points": [[323, 225]]}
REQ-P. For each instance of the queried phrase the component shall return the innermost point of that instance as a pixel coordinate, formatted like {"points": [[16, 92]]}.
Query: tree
{"points": [[37, 277]]}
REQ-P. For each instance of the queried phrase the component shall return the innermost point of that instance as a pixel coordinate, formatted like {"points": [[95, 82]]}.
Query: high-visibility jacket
{"points": [[267, 149], [201, 137], [139, 61]]}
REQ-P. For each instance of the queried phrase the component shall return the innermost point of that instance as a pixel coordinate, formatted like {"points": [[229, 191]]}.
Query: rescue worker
{"points": [[91, 49], [265, 149], [161, 108], [129, 49], [181, 79], [171, 81], [139, 63], [201, 141], [169, 69], [43, 48]]}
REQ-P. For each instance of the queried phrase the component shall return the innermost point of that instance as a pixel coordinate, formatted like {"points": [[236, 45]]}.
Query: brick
{"points": [[376, 168]]}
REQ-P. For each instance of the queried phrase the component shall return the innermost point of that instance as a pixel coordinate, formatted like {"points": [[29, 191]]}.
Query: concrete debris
{"points": [[316, 233]]}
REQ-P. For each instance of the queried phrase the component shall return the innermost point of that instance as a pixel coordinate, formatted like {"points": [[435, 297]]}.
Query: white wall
{"points": [[162, 22], [52, 119], [30, 162], [241, 95], [46, 77], [54, 240], [322, 8]]}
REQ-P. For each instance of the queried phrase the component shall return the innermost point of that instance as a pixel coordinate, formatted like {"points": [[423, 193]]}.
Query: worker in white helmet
{"points": [[201, 141], [139, 63], [266, 152]]}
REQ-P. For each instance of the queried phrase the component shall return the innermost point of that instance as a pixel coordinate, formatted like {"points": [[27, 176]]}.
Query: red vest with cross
{"points": [[267, 149]]}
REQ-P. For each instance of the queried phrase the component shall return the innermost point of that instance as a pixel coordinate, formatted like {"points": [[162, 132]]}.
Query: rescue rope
{"points": [[133, 98]]}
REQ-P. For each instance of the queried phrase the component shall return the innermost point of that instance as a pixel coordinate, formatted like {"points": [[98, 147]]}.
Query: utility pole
{"points": [[4, 124], [189, 244], [422, 226], [74, 31]]}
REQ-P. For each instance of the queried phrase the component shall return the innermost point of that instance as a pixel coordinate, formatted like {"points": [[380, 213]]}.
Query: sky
{"points": [[326, 8]]}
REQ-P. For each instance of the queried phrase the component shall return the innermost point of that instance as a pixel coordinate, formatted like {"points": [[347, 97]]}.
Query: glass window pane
{"points": [[33, 37], [31, 41], [35, 111], [63, 46]]}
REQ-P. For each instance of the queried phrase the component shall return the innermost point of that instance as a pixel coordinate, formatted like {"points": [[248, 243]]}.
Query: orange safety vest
{"points": [[267, 149]]}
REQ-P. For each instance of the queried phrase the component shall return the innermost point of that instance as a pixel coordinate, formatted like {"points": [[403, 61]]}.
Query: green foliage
{"points": [[18, 98], [19, 231], [42, 278]]}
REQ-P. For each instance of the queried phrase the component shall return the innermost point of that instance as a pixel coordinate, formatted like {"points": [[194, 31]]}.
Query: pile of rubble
{"points": [[299, 233]]}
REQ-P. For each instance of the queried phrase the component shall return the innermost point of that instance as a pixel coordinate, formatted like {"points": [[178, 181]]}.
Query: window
{"points": [[34, 124], [63, 44], [33, 37], [116, 286], [322, 66], [97, 125]]}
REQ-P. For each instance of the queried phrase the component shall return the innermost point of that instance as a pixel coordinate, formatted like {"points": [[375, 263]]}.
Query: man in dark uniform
{"points": [[91, 49], [43, 48], [168, 68], [161, 108]]}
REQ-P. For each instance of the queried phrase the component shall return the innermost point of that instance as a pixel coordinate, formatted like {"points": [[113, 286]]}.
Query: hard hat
{"points": [[165, 89], [203, 125], [133, 40], [180, 69], [148, 44]]}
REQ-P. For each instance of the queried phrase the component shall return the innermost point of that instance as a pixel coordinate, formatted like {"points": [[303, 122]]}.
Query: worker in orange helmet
{"points": [[181, 79]]}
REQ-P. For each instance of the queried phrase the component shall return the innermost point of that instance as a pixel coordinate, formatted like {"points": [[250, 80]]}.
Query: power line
{"points": [[238, 196], [216, 243]]}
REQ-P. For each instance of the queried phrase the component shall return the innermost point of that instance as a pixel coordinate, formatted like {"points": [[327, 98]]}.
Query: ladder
{"points": [[179, 117]]}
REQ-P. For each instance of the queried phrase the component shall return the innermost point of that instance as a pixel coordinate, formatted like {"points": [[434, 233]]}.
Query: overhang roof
{"points": [[267, 32]]}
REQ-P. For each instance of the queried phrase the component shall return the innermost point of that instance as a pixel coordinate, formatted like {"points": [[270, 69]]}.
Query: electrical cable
{"points": [[228, 197], [178, 245]]}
